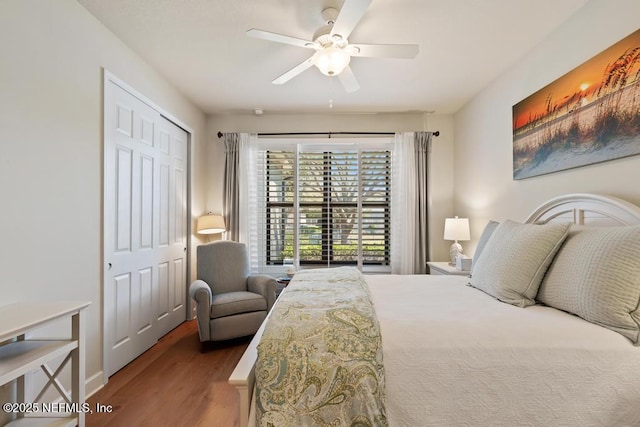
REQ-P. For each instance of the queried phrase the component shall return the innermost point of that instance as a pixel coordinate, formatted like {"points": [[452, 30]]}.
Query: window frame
{"points": [[321, 145]]}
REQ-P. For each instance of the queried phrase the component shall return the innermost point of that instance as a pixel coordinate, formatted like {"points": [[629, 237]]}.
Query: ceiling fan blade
{"points": [[280, 38], [384, 50], [298, 69], [348, 80], [349, 16]]}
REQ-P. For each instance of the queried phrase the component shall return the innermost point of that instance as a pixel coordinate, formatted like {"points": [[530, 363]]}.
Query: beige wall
{"points": [[53, 53], [484, 188], [441, 163]]}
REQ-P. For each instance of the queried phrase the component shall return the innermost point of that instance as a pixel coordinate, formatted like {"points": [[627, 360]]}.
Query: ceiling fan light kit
{"points": [[331, 60], [333, 51]]}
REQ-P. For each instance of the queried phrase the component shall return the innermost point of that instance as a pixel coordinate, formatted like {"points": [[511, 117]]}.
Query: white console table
{"points": [[20, 355]]}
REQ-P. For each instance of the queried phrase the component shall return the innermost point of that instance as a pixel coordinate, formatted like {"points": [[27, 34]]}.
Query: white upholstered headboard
{"points": [[587, 209]]}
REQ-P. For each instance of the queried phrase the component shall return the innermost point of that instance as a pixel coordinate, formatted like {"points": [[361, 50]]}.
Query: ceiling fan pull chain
{"points": [[331, 92]]}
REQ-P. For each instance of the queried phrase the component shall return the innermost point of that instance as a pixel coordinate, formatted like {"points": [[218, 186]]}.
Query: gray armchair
{"points": [[230, 302]]}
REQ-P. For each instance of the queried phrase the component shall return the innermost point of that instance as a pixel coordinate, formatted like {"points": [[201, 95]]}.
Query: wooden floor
{"points": [[173, 384]]}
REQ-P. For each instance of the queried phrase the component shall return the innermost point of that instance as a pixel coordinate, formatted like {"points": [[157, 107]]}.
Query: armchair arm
{"points": [[201, 293], [265, 286]]}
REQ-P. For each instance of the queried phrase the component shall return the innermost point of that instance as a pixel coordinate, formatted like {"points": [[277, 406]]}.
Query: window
{"points": [[327, 205]]}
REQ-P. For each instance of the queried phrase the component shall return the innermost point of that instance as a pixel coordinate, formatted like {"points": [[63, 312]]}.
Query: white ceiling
{"points": [[200, 46]]}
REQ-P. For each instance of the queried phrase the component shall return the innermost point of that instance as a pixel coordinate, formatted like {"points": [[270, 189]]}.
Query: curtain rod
{"points": [[436, 133]]}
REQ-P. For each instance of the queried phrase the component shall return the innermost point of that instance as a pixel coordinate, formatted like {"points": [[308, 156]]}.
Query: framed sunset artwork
{"points": [[589, 115]]}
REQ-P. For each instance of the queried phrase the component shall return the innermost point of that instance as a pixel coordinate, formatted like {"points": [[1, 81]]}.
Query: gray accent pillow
{"points": [[484, 238], [515, 259], [596, 275]]}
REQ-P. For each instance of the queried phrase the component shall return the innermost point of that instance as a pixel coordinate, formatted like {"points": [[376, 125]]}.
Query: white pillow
{"points": [[515, 260], [596, 275], [484, 238]]}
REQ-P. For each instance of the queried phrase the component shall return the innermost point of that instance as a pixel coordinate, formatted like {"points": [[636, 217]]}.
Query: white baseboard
{"points": [[93, 384]]}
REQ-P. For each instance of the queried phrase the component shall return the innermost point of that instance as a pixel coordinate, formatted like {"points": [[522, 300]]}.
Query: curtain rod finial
{"points": [[219, 134], [436, 133]]}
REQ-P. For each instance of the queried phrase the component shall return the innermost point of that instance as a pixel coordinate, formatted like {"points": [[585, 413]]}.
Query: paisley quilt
{"points": [[320, 357]]}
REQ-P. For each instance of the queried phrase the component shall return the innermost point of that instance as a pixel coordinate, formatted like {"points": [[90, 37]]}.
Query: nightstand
{"points": [[281, 283], [444, 269]]}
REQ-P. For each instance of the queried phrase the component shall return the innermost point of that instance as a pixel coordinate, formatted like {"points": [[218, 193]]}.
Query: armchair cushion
{"points": [[231, 303], [224, 265]]}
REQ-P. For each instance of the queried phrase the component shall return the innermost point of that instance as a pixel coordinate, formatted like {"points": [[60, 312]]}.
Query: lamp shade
{"points": [[456, 229], [331, 60], [210, 224]]}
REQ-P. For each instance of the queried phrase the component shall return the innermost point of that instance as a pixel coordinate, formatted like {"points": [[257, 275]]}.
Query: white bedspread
{"points": [[454, 356]]}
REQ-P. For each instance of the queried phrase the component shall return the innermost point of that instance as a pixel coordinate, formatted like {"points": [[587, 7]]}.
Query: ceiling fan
{"points": [[332, 48]]}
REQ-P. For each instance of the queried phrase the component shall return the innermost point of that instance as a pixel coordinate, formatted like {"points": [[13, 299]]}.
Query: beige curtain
{"points": [[230, 197], [422, 148], [409, 230]]}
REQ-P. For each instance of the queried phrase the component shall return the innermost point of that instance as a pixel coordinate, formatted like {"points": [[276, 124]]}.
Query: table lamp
{"points": [[456, 229], [210, 224]]}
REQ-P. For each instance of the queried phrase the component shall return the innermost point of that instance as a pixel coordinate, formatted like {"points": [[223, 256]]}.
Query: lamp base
{"points": [[456, 249]]}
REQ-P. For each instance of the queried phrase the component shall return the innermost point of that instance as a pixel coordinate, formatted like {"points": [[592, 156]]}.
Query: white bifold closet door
{"points": [[145, 226]]}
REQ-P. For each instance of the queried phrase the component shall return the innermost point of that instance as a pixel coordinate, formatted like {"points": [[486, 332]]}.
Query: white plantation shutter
{"points": [[326, 205], [376, 198], [276, 172]]}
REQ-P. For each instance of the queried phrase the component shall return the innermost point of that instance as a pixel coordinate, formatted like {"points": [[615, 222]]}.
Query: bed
{"points": [[465, 355]]}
